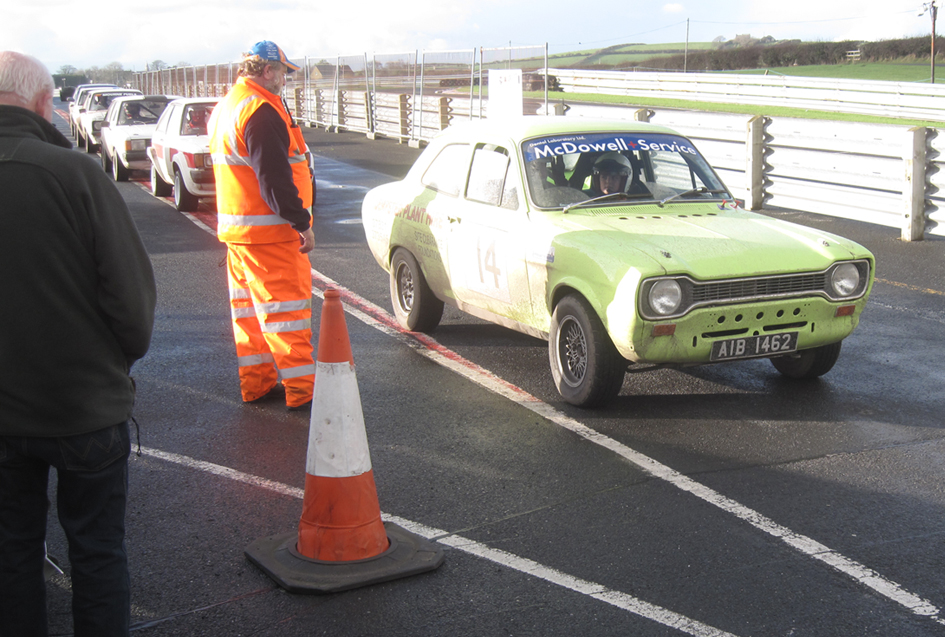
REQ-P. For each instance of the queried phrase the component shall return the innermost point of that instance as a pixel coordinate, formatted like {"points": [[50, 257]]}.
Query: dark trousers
{"points": [[92, 488]]}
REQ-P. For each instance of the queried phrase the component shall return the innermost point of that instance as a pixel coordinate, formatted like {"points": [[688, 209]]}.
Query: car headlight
{"points": [[137, 144], [845, 280], [202, 160], [97, 125], [665, 297]]}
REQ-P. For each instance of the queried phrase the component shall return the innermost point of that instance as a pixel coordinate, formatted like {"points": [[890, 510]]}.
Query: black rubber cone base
{"points": [[408, 554]]}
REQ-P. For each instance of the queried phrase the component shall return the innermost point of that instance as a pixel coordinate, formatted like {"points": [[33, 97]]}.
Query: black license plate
{"points": [[754, 346]]}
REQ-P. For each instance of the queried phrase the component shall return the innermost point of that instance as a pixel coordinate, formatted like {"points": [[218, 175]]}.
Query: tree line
{"points": [[113, 73]]}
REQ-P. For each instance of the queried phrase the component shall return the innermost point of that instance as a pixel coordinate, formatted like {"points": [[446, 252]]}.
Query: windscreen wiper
{"points": [[701, 190], [601, 198]]}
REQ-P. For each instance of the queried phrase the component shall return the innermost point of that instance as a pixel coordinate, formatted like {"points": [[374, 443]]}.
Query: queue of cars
{"points": [[164, 135]]}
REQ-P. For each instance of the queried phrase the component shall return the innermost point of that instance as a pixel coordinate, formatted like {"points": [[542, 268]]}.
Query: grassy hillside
{"points": [[622, 55], [904, 60]]}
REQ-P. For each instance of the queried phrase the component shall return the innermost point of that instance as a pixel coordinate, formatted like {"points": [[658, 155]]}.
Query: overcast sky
{"points": [[85, 34]]}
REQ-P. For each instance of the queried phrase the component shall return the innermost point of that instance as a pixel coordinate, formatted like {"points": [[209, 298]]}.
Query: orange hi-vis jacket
{"points": [[242, 214]]}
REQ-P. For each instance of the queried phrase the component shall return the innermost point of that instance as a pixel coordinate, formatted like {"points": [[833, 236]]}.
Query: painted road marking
{"points": [[503, 558], [375, 316]]}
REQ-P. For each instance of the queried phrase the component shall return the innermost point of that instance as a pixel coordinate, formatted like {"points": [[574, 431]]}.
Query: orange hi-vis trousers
{"points": [[271, 307]]}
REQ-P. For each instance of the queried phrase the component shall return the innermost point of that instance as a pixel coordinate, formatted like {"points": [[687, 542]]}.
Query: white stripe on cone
{"points": [[337, 442]]}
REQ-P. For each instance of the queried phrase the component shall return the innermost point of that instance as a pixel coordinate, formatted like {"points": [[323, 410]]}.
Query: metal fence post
{"points": [[913, 191], [445, 112], [404, 115], [755, 163]]}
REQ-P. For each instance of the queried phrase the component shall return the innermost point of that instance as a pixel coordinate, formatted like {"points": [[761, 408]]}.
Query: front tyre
{"points": [[185, 200], [106, 161], [586, 367], [415, 306], [119, 172], [808, 363], [159, 187]]}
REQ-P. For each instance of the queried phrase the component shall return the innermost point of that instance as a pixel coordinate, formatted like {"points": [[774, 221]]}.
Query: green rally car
{"points": [[617, 243]]}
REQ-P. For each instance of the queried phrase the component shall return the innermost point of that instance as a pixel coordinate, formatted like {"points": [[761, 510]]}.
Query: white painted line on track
{"points": [[377, 317], [380, 319], [523, 565]]}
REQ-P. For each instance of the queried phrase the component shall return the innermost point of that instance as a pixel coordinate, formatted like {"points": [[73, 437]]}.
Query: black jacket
{"points": [[77, 291]]}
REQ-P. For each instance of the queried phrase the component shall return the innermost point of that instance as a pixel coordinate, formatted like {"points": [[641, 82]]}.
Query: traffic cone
{"points": [[341, 543]]}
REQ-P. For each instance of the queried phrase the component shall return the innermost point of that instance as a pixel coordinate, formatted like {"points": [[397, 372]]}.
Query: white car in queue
{"points": [[126, 133], [89, 125], [77, 101], [180, 153]]}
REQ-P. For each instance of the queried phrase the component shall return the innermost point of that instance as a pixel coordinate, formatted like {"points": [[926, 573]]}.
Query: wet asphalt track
{"points": [[715, 500]]}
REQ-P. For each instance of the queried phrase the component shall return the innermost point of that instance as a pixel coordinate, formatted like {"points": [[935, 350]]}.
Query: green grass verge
{"points": [[745, 109], [917, 71]]}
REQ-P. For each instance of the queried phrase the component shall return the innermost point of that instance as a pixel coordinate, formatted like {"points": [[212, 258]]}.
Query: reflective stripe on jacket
{"points": [[242, 214]]}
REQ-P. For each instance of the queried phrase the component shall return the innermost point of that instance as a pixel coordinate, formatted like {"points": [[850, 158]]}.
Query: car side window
{"points": [[447, 171], [110, 113], [167, 118], [488, 178]]}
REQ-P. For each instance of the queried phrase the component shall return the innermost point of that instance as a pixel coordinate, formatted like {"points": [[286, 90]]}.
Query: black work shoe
{"points": [[274, 392], [303, 407]]}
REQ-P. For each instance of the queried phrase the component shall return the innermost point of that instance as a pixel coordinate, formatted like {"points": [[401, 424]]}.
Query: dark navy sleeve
{"points": [[267, 141]]}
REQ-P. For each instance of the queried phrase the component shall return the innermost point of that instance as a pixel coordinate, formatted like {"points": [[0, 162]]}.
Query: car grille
{"points": [[763, 287]]}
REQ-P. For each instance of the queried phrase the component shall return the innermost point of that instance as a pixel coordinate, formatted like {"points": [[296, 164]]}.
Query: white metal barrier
{"points": [[885, 99]]}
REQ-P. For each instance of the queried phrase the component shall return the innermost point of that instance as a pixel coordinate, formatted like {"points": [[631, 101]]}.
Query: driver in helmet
{"points": [[610, 174]]}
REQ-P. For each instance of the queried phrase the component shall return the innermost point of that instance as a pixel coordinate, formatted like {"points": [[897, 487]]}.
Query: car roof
{"points": [[129, 98], [116, 90], [528, 126], [195, 100], [83, 87]]}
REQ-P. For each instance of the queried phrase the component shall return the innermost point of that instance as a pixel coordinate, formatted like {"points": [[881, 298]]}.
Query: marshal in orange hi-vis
{"points": [[342, 542]]}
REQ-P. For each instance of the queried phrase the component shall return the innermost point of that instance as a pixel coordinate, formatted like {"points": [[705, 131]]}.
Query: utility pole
{"points": [[933, 12], [686, 53]]}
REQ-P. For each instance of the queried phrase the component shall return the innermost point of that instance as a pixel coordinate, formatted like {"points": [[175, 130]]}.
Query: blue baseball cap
{"points": [[270, 52]]}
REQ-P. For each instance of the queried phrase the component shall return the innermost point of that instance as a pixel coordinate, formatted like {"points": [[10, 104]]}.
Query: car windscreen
{"points": [[621, 167], [101, 101], [144, 111], [194, 121]]}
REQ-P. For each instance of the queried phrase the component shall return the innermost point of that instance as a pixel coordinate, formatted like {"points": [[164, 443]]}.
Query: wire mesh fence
{"points": [[409, 96]]}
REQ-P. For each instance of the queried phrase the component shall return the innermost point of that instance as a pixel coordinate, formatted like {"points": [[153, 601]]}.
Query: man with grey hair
{"points": [[77, 312]]}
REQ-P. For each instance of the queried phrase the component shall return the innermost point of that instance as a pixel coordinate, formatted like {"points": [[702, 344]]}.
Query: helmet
{"points": [[611, 164]]}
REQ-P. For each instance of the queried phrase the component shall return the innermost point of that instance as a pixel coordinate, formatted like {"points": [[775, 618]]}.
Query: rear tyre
{"points": [[415, 306], [183, 198], [808, 363], [586, 367], [159, 187]]}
